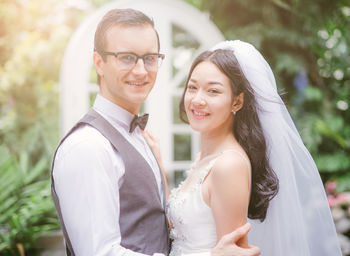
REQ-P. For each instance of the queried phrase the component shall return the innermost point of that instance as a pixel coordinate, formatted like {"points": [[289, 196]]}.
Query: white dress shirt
{"points": [[88, 173]]}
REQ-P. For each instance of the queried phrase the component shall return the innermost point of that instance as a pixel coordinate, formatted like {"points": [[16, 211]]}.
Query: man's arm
{"points": [[227, 245], [87, 176]]}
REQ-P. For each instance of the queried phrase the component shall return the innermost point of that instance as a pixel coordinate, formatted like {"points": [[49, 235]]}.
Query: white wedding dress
{"points": [[193, 223]]}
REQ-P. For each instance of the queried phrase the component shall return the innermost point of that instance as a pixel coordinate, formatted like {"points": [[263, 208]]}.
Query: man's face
{"points": [[127, 88]]}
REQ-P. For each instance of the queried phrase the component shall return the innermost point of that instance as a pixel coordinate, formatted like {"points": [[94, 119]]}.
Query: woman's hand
{"points": [[154, 145]]}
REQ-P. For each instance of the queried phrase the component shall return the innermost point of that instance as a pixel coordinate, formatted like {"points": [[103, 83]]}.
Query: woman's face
{"points": [[208, 99]]}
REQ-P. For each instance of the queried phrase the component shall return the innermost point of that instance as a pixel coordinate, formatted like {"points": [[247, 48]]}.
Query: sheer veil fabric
{"points": [[299, 220]]}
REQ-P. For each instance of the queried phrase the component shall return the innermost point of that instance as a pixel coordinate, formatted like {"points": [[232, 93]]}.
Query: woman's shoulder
{"points": [[230, 175], [230, 163]]}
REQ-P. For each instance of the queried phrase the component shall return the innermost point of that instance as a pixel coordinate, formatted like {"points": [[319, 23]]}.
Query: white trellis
{"points": [[75, 86]]}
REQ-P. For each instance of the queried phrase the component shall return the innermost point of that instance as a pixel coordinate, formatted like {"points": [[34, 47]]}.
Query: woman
{"points": [[252, 163]]}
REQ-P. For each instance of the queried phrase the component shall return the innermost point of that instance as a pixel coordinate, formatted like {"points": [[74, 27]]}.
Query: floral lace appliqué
{"points": [[176, 201]]}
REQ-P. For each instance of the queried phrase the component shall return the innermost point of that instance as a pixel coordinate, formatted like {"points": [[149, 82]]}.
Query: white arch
{"points": [[75, 87]]}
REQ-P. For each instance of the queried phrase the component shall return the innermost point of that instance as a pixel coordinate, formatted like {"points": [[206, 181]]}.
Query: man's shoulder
{"points": [[85, 150], [85, 138]]}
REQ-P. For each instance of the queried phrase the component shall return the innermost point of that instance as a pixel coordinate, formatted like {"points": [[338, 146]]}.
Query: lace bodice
{"points": [[192, 220], [189, 214]]}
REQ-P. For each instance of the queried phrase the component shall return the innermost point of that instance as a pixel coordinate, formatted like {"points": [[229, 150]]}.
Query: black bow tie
{"points": [[140, 121]]}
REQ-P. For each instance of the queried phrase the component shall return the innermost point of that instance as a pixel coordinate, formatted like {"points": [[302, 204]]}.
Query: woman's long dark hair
{"points": [[246, 129]]}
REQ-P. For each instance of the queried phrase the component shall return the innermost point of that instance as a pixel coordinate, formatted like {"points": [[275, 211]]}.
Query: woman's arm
{"points": [[226, 191]]}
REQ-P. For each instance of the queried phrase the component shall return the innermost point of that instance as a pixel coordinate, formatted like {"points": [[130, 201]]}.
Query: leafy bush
{"points": [[33, 36], [26, 207]]}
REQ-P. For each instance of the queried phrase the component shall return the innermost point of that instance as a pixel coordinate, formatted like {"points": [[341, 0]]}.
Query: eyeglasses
{"points": [[128, 60]]}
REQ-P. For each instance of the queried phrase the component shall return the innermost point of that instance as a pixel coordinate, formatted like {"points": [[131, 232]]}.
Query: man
{"points": [[106, 183]]}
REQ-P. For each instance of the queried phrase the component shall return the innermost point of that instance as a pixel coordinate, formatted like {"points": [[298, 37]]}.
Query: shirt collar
{"points": [[112, 111]]}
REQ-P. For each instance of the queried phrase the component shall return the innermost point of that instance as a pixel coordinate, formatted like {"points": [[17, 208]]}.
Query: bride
{"points": [[252, 163]]}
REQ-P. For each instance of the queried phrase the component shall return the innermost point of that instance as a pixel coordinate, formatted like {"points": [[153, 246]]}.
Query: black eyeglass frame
{"points": [[115, 54]]}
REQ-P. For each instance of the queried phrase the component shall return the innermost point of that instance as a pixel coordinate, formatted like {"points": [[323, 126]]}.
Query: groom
{"points": [[106, 183]]}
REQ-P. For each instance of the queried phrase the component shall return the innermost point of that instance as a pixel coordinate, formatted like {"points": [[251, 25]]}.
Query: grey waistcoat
{"points": [[142, 220]]}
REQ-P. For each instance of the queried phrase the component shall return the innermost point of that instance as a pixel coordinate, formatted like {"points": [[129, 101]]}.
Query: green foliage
{"points": [[26, 207], [329, 99], [33, 37]]}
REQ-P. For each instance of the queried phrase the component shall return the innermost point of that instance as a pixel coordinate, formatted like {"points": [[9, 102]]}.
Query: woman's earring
{"points": [[234, 113]]}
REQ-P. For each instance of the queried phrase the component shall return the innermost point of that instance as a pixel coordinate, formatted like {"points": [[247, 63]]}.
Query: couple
{"points": [[110, 191]]}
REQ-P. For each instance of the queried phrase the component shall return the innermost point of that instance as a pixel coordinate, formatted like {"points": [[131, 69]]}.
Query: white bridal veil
{"points": [[299, 221]]}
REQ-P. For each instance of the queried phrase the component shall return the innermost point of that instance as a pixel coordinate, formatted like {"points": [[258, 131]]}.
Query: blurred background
{"points": [[307, 44]]}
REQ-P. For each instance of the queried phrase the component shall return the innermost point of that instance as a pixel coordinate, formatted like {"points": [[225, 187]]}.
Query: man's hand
{"points": [[227, 246]]}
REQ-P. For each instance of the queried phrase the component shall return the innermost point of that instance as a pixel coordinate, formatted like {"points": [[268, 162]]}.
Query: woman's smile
{"points": [[199, 114]]}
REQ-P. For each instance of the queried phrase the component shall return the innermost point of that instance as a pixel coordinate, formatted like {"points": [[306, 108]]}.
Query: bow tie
{"points": [[140, 121]]}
